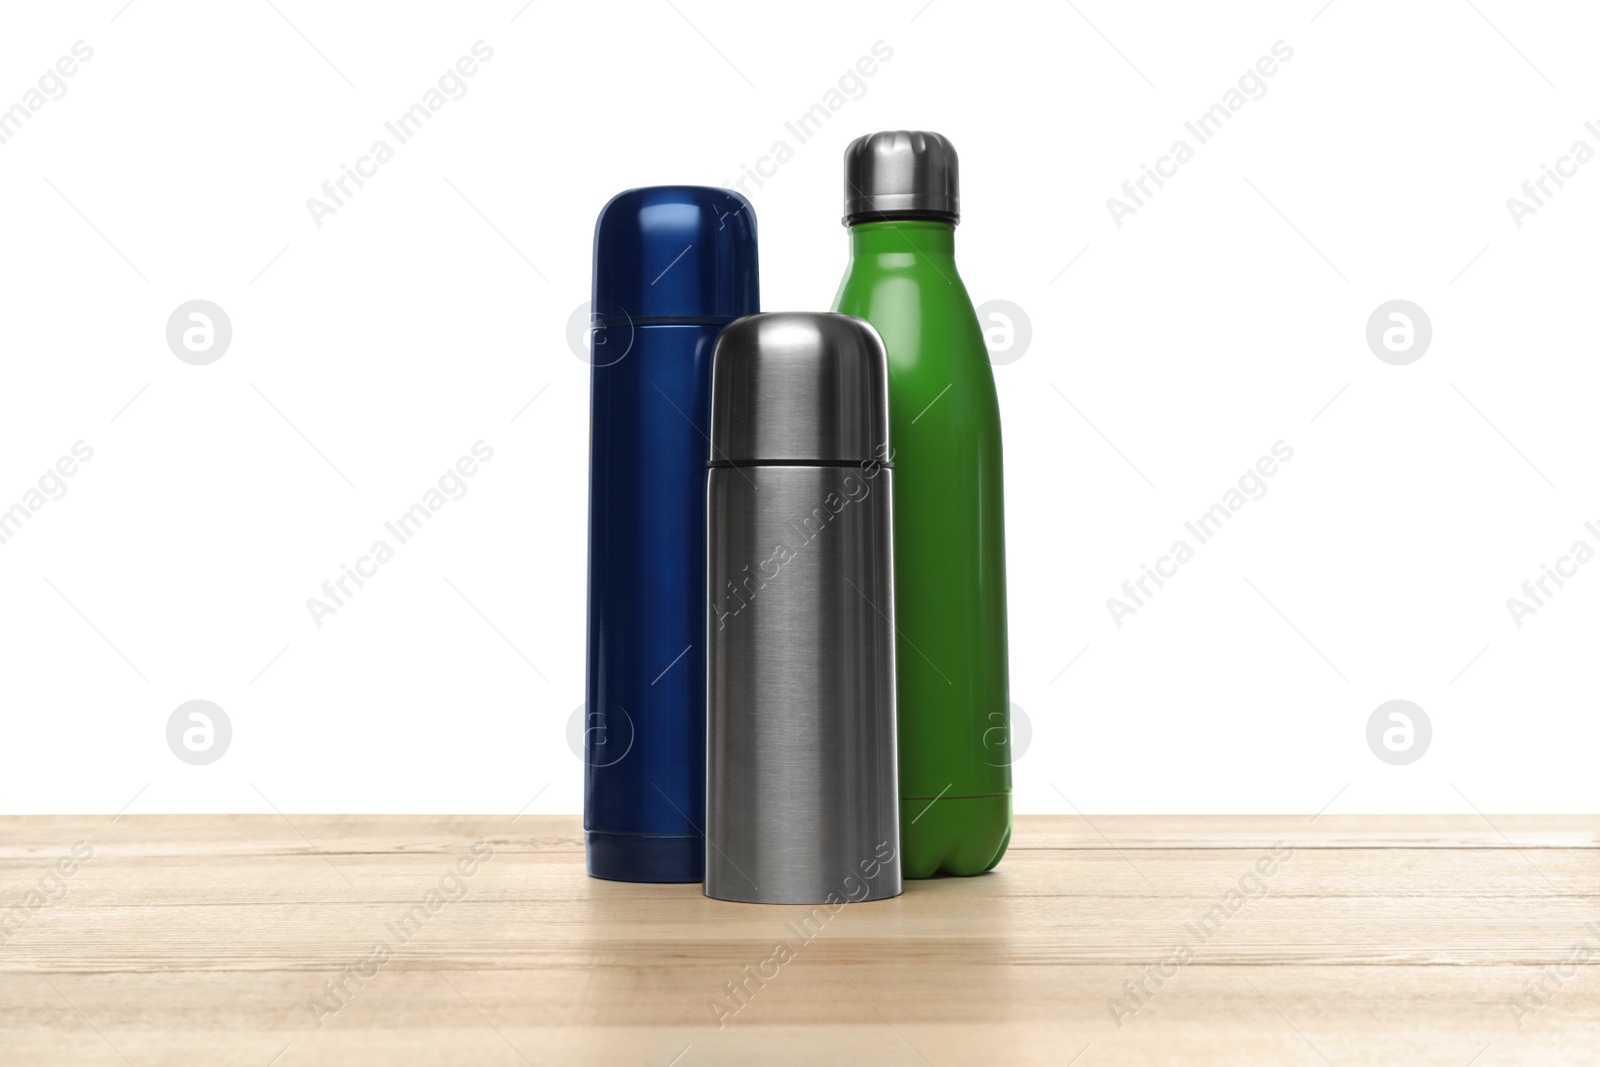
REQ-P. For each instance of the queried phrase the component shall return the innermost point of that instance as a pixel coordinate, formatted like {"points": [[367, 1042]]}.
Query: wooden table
{"points": [[339, 940]]}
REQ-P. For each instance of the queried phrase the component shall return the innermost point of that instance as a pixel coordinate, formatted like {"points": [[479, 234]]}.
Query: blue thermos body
{"points": [[672, 265]]}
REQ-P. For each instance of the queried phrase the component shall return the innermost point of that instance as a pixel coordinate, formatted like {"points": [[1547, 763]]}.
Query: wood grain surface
{"points": [[248, 941]]}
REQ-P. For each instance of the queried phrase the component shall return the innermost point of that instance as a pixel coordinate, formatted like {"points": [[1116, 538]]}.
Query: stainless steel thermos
{"points": [[801, 786], [672, 265]]}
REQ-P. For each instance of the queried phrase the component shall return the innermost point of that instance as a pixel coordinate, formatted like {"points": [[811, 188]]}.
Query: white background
{"points": [[1171, 353]]}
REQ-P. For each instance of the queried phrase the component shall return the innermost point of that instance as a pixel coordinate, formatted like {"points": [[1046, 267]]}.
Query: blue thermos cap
{"points": [[679, 254]]}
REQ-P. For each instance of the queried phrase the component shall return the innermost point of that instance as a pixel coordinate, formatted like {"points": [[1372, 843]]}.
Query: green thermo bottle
{"points": [[901, 207]]}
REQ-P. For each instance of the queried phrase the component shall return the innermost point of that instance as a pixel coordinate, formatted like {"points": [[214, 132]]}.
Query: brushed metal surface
{"points": [[901, 174], [802, 798], [799, 387]]}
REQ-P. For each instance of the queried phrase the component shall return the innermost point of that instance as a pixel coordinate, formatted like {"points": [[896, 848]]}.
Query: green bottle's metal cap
{"points": [[900, 174]]}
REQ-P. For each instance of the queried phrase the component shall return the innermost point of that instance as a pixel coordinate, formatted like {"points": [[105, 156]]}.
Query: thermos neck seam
{"points": [[867, 218], [739, 464], [667, 320]]}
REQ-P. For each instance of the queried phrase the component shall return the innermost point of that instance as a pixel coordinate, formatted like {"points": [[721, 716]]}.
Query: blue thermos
{"points": [[673, 264]]}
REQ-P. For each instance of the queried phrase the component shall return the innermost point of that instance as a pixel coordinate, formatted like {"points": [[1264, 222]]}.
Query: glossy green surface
{"points": [[949, 547]]}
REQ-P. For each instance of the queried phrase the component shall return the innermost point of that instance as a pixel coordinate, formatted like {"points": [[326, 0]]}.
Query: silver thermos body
{"points": [[802, 801]]}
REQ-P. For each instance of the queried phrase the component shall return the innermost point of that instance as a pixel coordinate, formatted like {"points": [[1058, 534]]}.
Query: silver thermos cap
{"points": [[899, 174], [802, 799], [791, 387]]}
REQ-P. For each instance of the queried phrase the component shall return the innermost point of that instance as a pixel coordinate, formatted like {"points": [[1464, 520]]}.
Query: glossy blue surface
{"points": [[675, 251], [650, 396]]}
